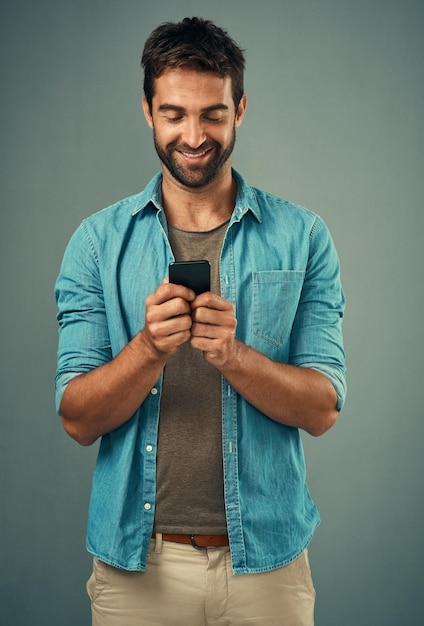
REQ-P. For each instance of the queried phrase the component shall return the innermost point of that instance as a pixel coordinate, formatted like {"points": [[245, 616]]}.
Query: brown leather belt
{"points": [[200, 542]]}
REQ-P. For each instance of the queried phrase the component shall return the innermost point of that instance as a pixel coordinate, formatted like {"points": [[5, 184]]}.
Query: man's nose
{"points": [[193, 133]]}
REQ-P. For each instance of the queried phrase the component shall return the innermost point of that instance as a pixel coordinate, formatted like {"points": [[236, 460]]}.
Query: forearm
{"points": [[295, 396], [105, 398]]}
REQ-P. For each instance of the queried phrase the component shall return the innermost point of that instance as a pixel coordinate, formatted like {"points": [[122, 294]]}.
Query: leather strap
{"points": [[197, 541]]}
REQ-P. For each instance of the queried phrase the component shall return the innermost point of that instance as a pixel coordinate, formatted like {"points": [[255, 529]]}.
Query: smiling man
{"points": [[199, 511], [194, 120], [209, 131]]}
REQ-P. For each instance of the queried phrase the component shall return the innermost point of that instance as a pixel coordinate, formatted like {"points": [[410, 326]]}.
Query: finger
{"points": [[171, 343], [166, 291], [167, 336], [169, 327], [208, 331], [211, 300], [215, 317], [209, 346], [158, 313]]}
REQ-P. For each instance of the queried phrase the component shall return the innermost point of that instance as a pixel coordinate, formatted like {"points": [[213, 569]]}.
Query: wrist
{"points": [[146, 350], [233, 363]]}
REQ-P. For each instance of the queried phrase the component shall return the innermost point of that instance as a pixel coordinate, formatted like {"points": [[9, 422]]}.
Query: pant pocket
{"points": [[303, 569], [97, 581]]}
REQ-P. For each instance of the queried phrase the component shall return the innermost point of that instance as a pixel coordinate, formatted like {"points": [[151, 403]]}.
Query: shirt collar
{"points": [[152, 193], [245, 200]]}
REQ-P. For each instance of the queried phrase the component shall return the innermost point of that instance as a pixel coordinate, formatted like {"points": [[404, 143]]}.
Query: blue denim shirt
{"points": [[280, 269]]}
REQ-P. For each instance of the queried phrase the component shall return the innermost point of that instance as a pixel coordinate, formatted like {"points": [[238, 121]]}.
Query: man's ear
{"points": [[241, 110], [147, 112]]}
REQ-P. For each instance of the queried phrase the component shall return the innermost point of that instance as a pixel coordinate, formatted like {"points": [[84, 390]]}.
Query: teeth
{"points": [[190, 155]]}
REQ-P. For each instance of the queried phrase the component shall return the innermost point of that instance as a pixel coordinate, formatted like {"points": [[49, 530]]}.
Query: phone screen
{"points": [[195, 275]]}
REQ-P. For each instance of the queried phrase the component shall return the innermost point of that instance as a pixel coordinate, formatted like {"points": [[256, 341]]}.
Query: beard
{"points": [[195, 176]]}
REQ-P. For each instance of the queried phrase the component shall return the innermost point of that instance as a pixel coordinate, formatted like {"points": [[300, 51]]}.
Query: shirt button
{"points": [[154, 391], [147, 506], [149, 448]]}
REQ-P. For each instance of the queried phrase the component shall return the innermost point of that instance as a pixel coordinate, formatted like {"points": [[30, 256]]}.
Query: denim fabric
{"points": [[280, 269]]}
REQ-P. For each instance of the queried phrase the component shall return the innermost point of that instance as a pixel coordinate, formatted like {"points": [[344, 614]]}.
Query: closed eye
{"points": [[174, 120], [175, 114], [213, 120]]}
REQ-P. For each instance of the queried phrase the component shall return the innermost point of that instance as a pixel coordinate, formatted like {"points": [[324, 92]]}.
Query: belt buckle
{"points": [[194, 544]]}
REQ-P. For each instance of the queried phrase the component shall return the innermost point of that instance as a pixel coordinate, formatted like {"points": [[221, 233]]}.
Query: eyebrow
{"points": [[178, 109]]}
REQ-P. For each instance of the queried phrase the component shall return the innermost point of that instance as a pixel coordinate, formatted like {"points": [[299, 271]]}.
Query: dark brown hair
{"points": [[193, 43]]}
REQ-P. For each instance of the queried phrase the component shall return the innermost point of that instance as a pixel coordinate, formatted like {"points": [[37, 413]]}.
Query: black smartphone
{"points": [[195, 275]]}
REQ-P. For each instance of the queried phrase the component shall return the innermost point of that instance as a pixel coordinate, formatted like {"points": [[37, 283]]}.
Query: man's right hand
{"points": [[168, 317], [106, 397]]}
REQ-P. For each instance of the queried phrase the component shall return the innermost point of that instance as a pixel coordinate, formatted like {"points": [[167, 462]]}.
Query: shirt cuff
{"points": [[336, 377], [61, 383]]}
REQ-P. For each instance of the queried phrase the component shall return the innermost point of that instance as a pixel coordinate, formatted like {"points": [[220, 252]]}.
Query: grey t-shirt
{"points": [[190, 492]]}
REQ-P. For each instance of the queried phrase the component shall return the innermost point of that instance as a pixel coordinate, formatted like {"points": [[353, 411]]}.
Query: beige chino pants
{"points": [[183, 586]]}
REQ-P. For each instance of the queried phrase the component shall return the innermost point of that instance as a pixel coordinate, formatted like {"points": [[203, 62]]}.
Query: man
{"points": [[199, 510]]}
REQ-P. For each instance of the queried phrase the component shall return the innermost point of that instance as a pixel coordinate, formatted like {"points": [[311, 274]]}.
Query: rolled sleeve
{"points": [[316, 339], [84, 342], [337, 378]]}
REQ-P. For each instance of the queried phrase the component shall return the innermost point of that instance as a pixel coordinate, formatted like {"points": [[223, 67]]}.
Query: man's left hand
{"points": [[214, 328]]}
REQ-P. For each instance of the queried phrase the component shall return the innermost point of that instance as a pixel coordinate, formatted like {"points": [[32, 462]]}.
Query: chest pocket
{"points": [[274, 304]]}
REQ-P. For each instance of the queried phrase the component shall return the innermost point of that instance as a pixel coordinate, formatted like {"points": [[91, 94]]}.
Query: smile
{"points": [[194, 155]]}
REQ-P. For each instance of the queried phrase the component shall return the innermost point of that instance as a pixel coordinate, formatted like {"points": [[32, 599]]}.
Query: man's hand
{"points": [[294, 396], [214, 328], [168, 317], [101, 400]]}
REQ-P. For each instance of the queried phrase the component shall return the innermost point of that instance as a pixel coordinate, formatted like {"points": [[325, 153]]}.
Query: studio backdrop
{"points": [[334, 122]]}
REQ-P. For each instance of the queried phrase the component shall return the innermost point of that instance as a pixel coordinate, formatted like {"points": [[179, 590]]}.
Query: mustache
{"points": [[183, 147]]}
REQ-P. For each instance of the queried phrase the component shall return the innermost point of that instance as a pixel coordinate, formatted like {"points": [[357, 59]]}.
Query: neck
{"points": [[199, 209]]}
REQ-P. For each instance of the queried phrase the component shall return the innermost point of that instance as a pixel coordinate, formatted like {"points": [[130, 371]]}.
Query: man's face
{"points": [[194, 119]]}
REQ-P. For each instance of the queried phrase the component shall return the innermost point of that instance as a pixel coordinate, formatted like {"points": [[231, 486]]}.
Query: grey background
{"points": [[334, 123]]}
